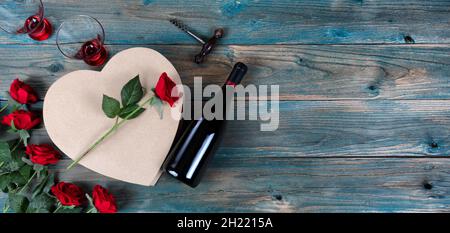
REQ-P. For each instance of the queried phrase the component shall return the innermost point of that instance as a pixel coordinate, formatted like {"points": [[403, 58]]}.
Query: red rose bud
{"points": [[68, 194], [22, 119], [22, 92], [42, 154], [103, 201], [164, 88]]}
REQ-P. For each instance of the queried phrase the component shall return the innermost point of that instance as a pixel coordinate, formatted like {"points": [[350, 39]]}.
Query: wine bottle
{"points": [[189, 157]]}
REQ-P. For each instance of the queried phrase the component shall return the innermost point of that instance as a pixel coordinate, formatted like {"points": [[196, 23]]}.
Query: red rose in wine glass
{"points": [[25, 17], [82, 37]]}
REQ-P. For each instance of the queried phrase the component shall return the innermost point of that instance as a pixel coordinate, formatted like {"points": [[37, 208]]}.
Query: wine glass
{"points": [[25, 17], [82, 37]]}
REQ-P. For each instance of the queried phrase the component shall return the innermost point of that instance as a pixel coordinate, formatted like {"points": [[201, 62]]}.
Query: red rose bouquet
{"points": [[24, 172]]}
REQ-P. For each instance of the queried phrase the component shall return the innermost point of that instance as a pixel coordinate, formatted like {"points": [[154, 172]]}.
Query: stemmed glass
{"points": [[82, 37], [25, 17]]}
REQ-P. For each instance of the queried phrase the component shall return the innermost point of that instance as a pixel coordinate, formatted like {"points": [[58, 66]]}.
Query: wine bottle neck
{"points": [[230, 83], [236, 74]]}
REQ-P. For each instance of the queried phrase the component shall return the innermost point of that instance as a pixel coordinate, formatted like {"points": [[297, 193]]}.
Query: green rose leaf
{"points": [[37, 190], [26, 171], [16, 161], [5, 180], [110, 106], [18, 202], [5, 153], [17, 179], [124, 112], [45, 184], [42, 203], [132, 92], [13, 165]]}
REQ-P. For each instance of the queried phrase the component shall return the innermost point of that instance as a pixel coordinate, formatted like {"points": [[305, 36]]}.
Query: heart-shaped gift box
{"points": [[74, 118]]}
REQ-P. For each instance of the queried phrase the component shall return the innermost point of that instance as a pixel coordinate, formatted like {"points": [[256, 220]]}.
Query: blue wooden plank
{"points": [[341, 129], [309, 164], [341, 146], [261, 22], [252, 184], [302, 72]]}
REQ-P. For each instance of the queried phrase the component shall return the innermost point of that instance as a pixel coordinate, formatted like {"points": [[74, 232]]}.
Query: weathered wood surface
{"points": [[246, 184], [303, 72], [261, 22], [340, 129], [364, 117], [309, 164], [295, 185]]}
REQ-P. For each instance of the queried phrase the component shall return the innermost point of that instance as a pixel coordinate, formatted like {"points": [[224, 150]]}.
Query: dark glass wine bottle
{"points": [[189, 157]]}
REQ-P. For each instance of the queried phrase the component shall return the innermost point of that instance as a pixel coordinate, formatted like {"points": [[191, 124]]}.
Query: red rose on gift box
{"points": [[42, 154], [22, 119], [164, 88], [68, 194], [22, 92], [104, 202]]}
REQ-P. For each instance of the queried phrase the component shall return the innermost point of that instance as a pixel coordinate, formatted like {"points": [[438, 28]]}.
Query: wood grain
{"points": [[340, 129], [248, 184], [302, 72], [260, 22], [364, 112]]}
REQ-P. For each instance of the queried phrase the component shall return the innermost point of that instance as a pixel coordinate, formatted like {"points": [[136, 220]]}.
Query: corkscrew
{"points": [[207, 47]]}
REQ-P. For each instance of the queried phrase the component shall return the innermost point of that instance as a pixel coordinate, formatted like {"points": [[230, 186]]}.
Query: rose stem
{"points": [[57, 208], [107, 133], [5, 208], [4, 107], [28, 182], [17, 144]]}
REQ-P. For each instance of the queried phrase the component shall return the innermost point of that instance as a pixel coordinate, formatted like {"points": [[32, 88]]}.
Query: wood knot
{"points": [[427, 185], [409, 40], [55, 67], [278, 197], [434, 145], [373, 89], [300, 61]]}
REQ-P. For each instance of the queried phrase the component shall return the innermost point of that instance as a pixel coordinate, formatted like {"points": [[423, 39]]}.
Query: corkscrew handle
{"points": [[209, 46]]}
